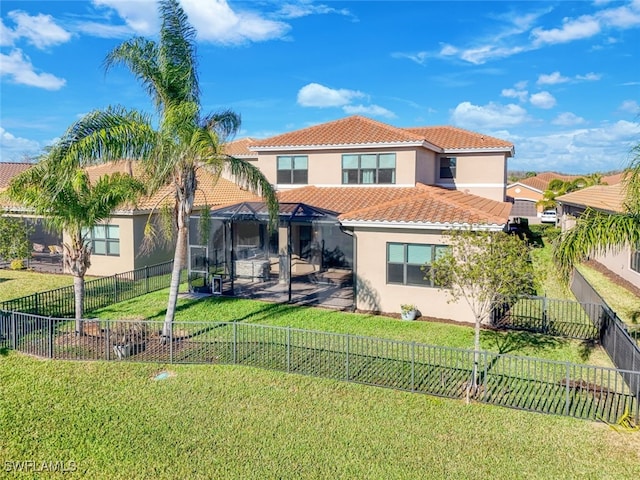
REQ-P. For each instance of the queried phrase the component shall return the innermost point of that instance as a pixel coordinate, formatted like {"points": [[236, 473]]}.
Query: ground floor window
{"points": [[409, 263], [635, 261], [105, 240]]}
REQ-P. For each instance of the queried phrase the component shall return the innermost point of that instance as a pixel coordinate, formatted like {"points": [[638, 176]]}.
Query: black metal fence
{"points": [[98, 293], [581, 391], [561, 318], [614, 335]]}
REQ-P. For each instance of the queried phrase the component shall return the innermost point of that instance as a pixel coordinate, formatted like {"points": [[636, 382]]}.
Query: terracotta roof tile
{"points": [[541, 181], [453, 138], [357, 130], [419, 204], [609, 198], [10, 170], [240, 148], [354, 130]]}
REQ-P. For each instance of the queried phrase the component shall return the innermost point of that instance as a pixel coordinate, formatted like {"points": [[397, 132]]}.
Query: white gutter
{"points": [[493, 227]]}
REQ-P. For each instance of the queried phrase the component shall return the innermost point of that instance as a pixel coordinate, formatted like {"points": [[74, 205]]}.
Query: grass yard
{"points": [[19, 283], [621, 300], [223, 309], [114, 421]]}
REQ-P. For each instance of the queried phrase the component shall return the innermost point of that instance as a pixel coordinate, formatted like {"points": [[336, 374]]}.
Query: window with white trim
{"points": [[635, 261], [293, 169], [410, 263], [368, 168], [448, 167], [105, 240]]}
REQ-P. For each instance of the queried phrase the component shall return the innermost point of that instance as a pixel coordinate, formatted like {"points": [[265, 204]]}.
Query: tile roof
{"points": [[413, 205], [541, 181], [609, 198], [10, 170], [613, 178], [453, 138], [357, 130], [212, 190], [240, 148]]}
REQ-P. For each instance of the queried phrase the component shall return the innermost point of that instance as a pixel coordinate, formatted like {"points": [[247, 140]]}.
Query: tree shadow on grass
{"points": [[514, 341], [4, 351]]}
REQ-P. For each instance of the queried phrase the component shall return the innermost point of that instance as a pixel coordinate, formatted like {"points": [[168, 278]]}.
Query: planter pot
{"points": [[408, 315], [122, 351]]}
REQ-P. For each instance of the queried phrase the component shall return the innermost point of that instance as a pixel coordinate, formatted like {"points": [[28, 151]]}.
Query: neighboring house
{"points": [[527, 192], [367, 203], [117, 245], [608, 199]]}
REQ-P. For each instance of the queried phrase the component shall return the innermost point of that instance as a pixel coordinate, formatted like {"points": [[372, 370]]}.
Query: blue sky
{"points": [[561, 80]]}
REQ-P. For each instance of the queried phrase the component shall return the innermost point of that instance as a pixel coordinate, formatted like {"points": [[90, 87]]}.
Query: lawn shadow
{"points": [[4, 351], [513, 341]]}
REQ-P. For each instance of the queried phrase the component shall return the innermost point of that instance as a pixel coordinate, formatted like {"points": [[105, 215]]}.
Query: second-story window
{"points": [[293, 169], [448, 167], [369, 168]]}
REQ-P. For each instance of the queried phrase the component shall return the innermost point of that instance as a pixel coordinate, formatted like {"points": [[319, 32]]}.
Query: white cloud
{"points": [[214, 20], [492, 115], [373, 110], [140, 16], [18, 67], [567, 119], [589, 77], [515, 93], [420, 58], [14, 148], [584, 150], [552, 79], [542, 100], [630, 106], [316, 95], [572, 29], [290, 10], [39, 30]]}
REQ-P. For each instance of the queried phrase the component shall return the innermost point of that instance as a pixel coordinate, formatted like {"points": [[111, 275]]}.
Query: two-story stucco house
{"points": [[364, 204]]}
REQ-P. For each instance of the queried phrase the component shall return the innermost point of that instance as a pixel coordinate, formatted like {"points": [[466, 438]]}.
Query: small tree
{"points": [[486, 269], [14, 239]]}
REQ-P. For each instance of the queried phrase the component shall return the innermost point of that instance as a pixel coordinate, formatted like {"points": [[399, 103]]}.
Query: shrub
{"points": [[17, 264]]}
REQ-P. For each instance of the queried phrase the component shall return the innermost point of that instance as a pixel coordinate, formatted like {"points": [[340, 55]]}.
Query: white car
{"points": [[549, 216]]}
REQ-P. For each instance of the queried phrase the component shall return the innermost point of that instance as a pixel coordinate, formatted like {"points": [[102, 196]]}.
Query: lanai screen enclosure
{"points": [[235, 247]]}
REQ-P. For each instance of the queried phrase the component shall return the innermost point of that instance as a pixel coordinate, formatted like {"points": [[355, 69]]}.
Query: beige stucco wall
{"points": [[619, 263], [521, 192], [325, 166], [131, 230], [479, 174], [373, 292], [426, 167]]}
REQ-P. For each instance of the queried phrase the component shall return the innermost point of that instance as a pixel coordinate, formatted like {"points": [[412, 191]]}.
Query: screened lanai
{"points": [[305, 258]]}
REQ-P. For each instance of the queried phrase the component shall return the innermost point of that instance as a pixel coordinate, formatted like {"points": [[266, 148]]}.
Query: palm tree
{"points": [[184, 139], [69, 202], [597, 232]]}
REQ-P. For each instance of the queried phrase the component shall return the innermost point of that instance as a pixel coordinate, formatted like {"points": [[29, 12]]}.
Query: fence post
{"points": [[14, 331], [545, 321], [347, 358], [115, 289], [567, 390], [50, 337], [107, 341], [413, 366], [235, 342], [170, 343], [146, 278], [288, 349]]}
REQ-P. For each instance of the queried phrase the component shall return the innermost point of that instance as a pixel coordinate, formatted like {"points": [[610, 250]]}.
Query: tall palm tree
{"points": [[597, 232], [70, 203], [184, 139]]}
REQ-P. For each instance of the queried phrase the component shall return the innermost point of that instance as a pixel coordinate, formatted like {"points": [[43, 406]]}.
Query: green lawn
{"points": [[114, 421], [622, 301], [19, 283], [221, 309]]}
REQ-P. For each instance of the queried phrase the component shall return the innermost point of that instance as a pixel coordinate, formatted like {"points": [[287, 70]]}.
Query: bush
{"points": [[17, 264]]}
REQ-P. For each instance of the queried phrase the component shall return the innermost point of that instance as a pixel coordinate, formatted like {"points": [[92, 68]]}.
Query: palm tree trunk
{"points": [[178, 261], [78, 291]]}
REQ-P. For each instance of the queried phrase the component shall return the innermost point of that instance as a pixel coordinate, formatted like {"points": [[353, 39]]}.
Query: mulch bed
{"points": [[615, 278]]}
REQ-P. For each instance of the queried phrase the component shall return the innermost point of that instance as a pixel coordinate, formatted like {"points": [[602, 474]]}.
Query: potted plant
{"points": [[408, 311]]}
